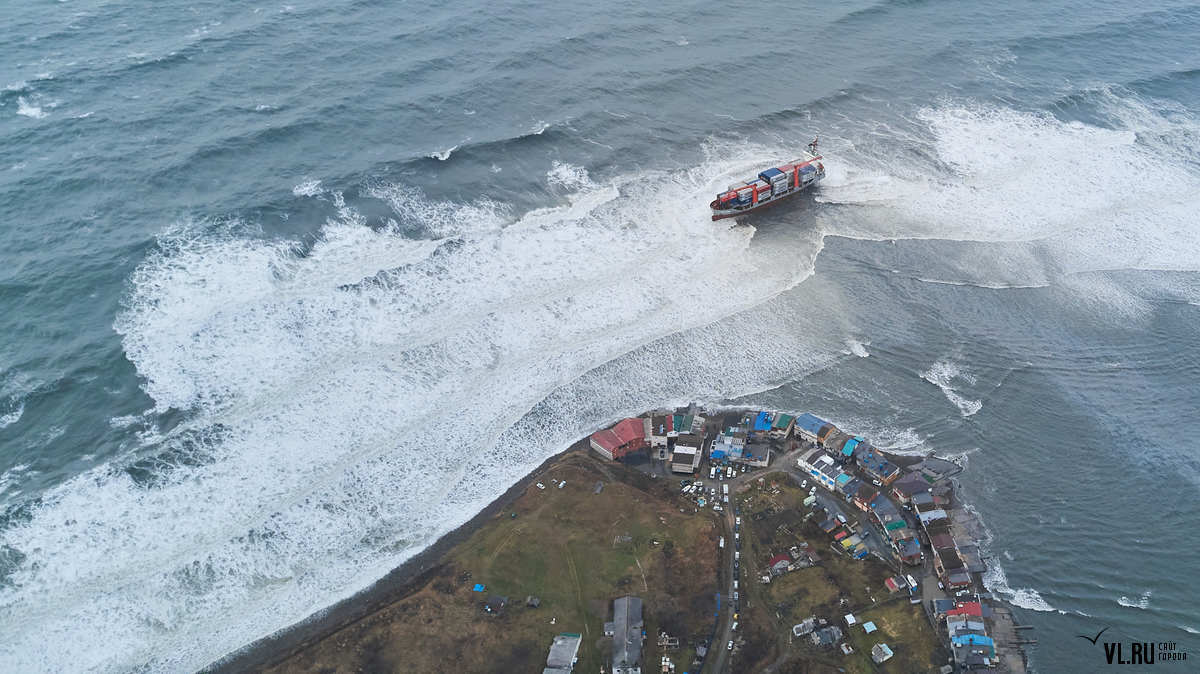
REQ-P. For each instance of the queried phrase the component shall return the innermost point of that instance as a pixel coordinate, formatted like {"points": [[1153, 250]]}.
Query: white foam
{"points": [[13, 415], [1189, 629], [443, 155], [1068, 212], [311, 390], [857, 348], [1142, 602], [27, 109], [995, 580], [568, 176], [942, 374], [310, 187]]}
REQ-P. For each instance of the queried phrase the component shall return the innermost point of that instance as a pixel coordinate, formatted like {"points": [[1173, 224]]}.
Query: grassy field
{"points": [[572, 548], [773, 520]]}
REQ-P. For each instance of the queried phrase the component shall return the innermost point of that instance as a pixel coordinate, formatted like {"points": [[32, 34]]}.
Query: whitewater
{"points": [[273, 334]]}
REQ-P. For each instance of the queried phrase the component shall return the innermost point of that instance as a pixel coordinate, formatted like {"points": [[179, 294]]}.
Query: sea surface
{"points": [[288, 290]]}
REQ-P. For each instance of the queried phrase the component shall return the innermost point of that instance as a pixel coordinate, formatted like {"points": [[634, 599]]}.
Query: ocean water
{"points": [[289, 290]]}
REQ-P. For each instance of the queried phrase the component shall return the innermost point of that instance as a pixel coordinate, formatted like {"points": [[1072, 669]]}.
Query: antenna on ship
{"points": [[812, 147]]}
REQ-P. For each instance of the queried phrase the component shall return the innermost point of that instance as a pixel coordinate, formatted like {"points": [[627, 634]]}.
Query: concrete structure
{"points": [[627, 635], [782, 427], [686, 450], [876, 466], [907, 485], [813, 428], [821, 467], [563, 654], [629, 435]]}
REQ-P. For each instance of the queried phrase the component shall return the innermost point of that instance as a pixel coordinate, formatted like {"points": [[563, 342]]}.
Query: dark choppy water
{"points": [[288, 290]]}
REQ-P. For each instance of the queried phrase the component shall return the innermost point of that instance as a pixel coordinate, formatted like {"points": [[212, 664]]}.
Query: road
{"points": [[720, 659]]}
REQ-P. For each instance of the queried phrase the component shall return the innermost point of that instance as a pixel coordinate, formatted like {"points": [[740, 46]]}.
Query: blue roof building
{"points": [[848, 448], [812, 427], [977, 640], [762, 422]]}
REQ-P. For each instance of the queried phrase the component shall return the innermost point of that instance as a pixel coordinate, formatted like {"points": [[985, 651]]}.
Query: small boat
{"points": [[770, 187]]}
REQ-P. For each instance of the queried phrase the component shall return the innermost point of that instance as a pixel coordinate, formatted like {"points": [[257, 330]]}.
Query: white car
{"points": [[737, 521], [541, 486], [729, 646], [562, 484], [717, 507], [804, 484]]}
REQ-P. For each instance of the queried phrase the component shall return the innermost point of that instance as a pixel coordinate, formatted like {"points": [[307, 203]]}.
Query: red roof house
{"points": [[629, 435]]}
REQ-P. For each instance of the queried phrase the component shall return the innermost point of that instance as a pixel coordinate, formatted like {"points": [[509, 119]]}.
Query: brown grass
{"points": [[562, 547]]}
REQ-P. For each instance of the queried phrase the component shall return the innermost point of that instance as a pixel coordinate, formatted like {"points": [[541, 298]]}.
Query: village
{"points": [[900, 511], [699, 541]]}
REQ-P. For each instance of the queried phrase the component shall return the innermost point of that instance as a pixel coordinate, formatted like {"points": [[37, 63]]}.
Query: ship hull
{"points": [[759, 204]]}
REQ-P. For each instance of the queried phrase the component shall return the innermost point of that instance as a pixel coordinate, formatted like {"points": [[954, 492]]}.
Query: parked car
{"points": [[729, 646], [737, 521], [541, 486]]}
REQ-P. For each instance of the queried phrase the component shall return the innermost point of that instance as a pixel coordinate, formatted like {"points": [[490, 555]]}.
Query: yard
{"points": [[573, 549], [773, 521]]}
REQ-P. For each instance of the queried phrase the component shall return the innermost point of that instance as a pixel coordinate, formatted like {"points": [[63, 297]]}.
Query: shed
{"points": [[869, 627]]}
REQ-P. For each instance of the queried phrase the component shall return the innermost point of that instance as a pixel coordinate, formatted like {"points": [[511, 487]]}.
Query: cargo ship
{"points": [[770, 187]]}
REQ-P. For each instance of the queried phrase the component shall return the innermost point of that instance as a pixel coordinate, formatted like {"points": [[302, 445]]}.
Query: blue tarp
{"points": [[762, 422], [717, 454], [478, 587], [848, 448], [973, 639]]}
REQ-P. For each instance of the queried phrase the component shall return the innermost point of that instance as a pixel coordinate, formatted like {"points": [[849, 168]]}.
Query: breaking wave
{"points": [[995, 580], [1142, 602], [943, 374], [315, 451]]}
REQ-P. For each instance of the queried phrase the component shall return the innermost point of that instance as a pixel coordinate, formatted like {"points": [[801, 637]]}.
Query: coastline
{"points": [[416, 572], [405, 578]]}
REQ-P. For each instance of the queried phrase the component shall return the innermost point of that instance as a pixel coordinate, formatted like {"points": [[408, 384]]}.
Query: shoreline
{"points": [[409, 575], [415, 572]]}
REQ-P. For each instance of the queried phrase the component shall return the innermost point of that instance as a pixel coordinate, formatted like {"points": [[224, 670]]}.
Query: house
{"points": [[805, 627], [946, 561], [662, 426], [782, 428], [907, 485], [629, 435], [813, 428], [848, 449], [563, 654], [627, 635], [921, 500], [957, 580], [827, 636], [779, 564], [964, 624], [842, 481], [975, 642], [685, 452], [864, 498], [942, 542], [762, 422], [821, 467], [966, 608], [880, 653], [876, 466]]}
